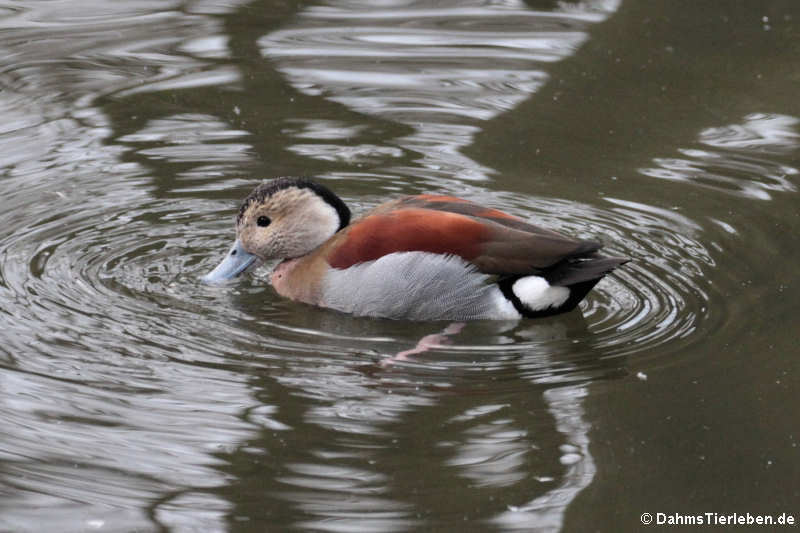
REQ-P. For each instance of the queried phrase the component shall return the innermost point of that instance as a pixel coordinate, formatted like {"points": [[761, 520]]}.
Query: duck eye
{"points": [[263, 221]]}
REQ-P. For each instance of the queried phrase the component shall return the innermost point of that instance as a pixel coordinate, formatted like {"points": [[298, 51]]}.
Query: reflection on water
{"points": [[206, 147], [438, 69], [136, 398], [735, 159], [547, 511]]}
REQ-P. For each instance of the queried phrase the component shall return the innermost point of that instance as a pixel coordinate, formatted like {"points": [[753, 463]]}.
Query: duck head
{"points": [[281, 219]]}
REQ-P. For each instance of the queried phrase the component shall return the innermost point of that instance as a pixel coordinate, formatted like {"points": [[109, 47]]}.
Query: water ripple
{"points": [[739, 159], [429, 67]]}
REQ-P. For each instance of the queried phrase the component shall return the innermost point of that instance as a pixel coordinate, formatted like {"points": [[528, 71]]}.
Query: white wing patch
{"points": [[416, 286]]}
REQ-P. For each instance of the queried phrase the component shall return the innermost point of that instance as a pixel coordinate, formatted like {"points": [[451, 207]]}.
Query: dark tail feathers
{"points": [[580, 276]]}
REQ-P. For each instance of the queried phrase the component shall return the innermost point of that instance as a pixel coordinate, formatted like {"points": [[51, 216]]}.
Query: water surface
{"points": [[135, 398]]}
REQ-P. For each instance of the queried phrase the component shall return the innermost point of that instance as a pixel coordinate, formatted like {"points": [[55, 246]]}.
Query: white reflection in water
{"points": [[739, 159], [768, 132], [546, 513], [345, 498], [439, 67], [362, 153], [341, 487], [492, 454], [215, 46], [321, 129], [188, 80], [185, 129], [212, 144], [96, 453]]}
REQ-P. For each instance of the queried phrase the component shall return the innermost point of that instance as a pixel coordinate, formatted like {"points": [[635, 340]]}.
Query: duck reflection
{"points": [[499, 407]]}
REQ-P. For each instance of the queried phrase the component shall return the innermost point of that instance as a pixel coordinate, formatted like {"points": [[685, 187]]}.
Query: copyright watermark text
{"points": [[717, 519]]}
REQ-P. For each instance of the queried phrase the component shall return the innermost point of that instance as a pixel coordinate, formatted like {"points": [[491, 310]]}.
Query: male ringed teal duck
{"points": [[424, 257]]}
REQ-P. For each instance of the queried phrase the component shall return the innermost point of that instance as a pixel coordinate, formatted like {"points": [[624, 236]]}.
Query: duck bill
{"points": [[237, 261]]}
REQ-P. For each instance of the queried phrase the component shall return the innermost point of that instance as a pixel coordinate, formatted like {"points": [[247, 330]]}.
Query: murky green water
{"points": [[135, 398]]}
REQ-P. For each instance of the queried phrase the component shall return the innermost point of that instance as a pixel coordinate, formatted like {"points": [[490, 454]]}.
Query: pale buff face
{"points": [[299, 221]]}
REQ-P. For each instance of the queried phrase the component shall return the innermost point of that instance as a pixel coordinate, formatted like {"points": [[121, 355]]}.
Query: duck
{"points": [[424, 257]]}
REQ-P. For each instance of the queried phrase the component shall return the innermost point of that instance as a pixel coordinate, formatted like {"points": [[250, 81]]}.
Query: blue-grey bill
{"points": [[237, 261]]}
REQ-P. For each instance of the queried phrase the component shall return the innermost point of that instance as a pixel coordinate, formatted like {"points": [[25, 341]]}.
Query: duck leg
{"points": [[426, 343]]}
